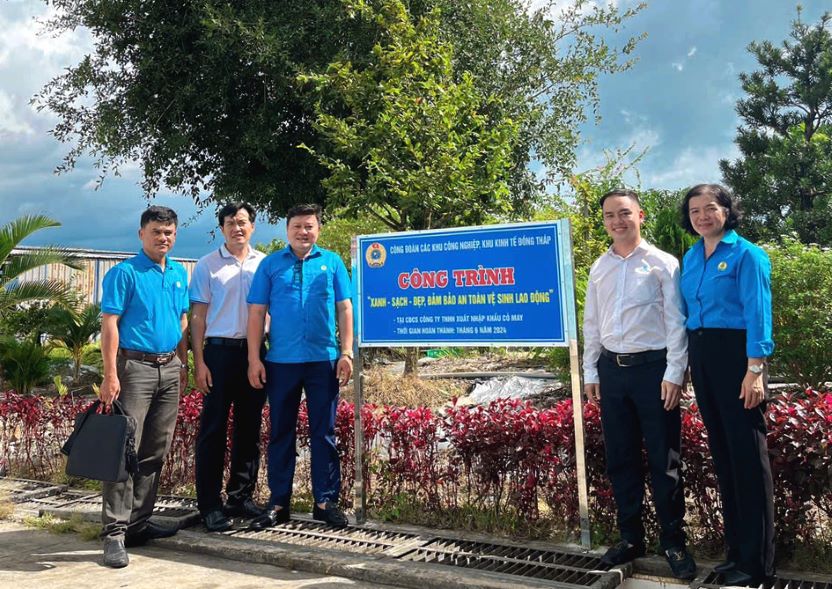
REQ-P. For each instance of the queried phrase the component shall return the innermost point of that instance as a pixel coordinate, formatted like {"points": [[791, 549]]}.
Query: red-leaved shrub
{"points": [[505, 456]]}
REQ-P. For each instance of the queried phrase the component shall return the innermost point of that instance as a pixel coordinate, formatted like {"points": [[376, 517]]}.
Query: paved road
{"points": [[38, 559]]}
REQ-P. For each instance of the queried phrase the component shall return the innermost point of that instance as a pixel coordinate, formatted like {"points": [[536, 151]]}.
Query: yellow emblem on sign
{"points": [[722, 266], [375, 255]]}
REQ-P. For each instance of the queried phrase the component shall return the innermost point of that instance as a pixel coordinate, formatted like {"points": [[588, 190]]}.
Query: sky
{"points": [[678, 101]]}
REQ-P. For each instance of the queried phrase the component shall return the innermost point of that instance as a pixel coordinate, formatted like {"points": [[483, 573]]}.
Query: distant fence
{"points": [[89, 279]]}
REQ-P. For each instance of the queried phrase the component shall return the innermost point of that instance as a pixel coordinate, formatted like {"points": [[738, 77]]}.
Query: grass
{"points": [[384, 388], [403, 509], [74, 525], [6, 508]]}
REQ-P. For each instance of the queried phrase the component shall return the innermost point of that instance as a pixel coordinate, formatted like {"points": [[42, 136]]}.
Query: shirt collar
{"points": [[225, 253], [145, 260], [642, 246], [730, 237], [314, 252]]}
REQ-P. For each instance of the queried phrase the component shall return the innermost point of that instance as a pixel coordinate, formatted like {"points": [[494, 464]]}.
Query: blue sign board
{"points": [[502, 285]]}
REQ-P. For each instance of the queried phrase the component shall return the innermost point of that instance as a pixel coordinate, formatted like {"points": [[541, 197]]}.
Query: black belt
{"points": [[635, 359], [226, 341], [160, 359]]}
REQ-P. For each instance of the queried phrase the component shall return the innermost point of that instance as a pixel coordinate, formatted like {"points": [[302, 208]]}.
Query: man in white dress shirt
{"points": [[219, 318], [635, 357]]}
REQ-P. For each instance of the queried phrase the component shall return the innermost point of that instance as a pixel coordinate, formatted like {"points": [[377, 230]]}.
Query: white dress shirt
{"points": [[633, 304], [222, 282]]}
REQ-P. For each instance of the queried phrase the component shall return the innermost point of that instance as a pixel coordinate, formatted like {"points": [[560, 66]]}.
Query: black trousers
{"points": [[632, 412], [229, 372], [737, 439]]}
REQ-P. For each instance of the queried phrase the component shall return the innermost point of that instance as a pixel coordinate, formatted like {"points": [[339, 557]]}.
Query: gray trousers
{"points": [[149, 393]]}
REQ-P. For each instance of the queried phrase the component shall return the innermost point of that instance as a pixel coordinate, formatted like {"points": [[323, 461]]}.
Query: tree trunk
{"points": [[411, 359]]}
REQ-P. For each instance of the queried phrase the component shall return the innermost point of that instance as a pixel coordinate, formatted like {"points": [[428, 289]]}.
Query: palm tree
{"points": [[13, 292], [73, 329]]}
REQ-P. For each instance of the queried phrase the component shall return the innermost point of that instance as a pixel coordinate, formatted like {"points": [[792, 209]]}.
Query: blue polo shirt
{"points": [[301, 297], [730, 290], [150, 302]]}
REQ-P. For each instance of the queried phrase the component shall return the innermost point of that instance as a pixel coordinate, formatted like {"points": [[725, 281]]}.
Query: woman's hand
{"points": [[752, 390]]}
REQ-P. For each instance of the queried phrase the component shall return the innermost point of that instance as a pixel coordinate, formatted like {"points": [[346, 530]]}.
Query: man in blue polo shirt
{"points": [[306, 290], [144, 306]]}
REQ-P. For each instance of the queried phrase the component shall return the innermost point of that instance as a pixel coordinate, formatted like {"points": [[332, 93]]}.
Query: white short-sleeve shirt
{"points": [[222, 282]]}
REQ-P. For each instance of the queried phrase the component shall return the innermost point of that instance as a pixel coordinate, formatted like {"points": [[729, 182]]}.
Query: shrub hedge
{"points": [[505, 457]]}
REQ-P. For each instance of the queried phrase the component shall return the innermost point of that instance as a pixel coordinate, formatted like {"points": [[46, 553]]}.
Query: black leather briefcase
{"points": [[102, 446]]}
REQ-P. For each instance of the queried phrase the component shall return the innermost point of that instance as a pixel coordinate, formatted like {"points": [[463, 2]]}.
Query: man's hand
{"points": [[183, 378], [671, 395], [752, 391], [256, 373], [110, 389], [344, 370], [203, 378], [593, 391]]}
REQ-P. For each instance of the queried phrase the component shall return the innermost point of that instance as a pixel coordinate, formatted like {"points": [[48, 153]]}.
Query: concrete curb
{"points": [[371, 569]]}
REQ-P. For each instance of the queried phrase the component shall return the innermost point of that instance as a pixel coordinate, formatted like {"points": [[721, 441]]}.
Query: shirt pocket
{"points": [[643, 288]]}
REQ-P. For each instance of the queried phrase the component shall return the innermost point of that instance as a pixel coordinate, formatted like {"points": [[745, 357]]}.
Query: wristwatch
{"points": [[757, 368], [347, 353]]}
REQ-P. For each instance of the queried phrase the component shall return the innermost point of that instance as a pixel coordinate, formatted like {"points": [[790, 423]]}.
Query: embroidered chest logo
{"points": [[722, 266], [645, 268]]}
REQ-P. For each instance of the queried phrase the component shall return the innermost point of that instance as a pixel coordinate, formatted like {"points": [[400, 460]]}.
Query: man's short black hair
{"points": [[723, 198], [163, 215], [620, 192], [233, 208], [304, 210]]}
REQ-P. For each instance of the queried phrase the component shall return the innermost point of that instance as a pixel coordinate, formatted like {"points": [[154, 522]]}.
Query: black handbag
{"points": [[102, 446]]}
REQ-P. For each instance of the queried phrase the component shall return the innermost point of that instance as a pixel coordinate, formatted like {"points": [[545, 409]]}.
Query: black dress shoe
{"points": [[331, 514], [245, 508], [270, 519], [151, 531], [737, 578], [621, 553], [215, 521], [681, 563], [724, 567]]}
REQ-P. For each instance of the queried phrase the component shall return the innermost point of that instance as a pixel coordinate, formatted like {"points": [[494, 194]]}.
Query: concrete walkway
{"points": [[37, 559]]}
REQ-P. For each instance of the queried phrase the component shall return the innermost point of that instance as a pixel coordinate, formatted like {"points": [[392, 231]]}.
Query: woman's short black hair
{"points": [[722, 196]]}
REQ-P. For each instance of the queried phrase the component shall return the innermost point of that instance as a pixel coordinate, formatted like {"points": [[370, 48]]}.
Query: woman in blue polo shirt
{"points": [[726, 286]]}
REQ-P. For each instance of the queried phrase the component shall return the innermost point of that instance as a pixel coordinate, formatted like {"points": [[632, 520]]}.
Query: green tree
{"points": [[24, 364], [801, 288], [205, 94], [404, 142], [74, 329], [13, 292], [784, 176]]}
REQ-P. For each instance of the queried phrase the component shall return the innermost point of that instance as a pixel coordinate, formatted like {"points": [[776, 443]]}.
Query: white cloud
{"points": [[692, 51], [678, 66], [692, 166], [11, 122]]}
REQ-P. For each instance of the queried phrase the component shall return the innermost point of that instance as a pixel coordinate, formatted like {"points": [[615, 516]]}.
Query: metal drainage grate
{"points": [[318, 535], [560, 567], [52, 502], [714, 581], [22, 489], [171, 506]]}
